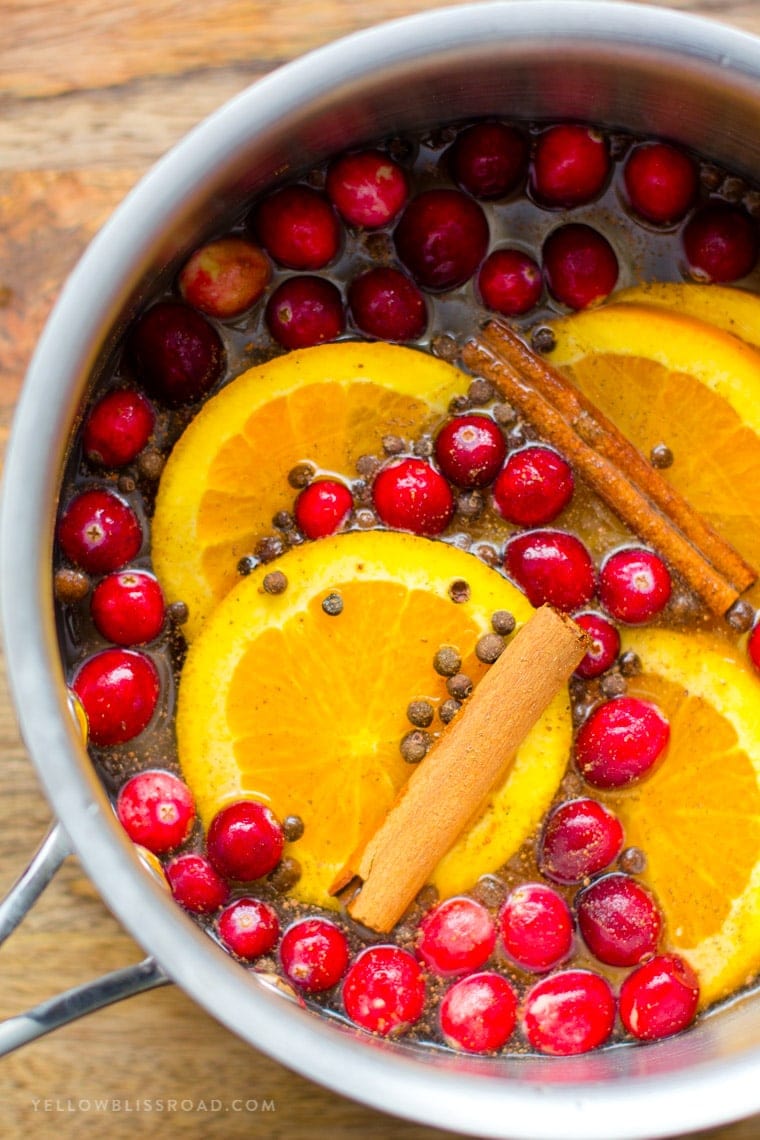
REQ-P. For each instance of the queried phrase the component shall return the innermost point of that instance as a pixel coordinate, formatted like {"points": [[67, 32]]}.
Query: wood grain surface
{"points": [[91, 93]]}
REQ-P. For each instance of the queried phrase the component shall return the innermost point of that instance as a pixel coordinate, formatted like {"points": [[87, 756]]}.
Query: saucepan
{"points": [[625, 66]]}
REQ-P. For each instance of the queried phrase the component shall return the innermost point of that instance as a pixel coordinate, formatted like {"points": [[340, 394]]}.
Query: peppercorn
{"points": [[447, 661]]}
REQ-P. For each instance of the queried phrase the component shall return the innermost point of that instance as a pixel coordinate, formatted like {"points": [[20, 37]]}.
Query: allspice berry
{"points": [[447, 661]]}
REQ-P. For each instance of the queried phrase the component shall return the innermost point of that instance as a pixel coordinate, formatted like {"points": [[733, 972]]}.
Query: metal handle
{"points": [[80, 1000]]}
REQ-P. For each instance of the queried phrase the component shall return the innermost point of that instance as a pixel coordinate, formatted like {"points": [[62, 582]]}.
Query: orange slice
{"points": [[280, 702], [734, 310], [227, 475]]}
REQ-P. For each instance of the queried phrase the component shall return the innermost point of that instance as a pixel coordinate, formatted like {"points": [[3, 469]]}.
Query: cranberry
{"points": [[581, 837], [510, 282], [570, 165], [721, 243], [605, 645], [620, 742], [248, 928], [368, 189], [470, 450], [156, 810], [412, 495], [195, 884], [442, 238], [536, 927], [619, 920], [98, 532], [298, 227], [753, 646], [119, 691], [128, 607], [634, 585], [488, 159], [478, 1013], [570, 1012], [659, 998], [244, 841], [552, 567], [580, 265], [661, 182], [534, 486], [225, 277], [322, 507], [386, 304], [456, 937], [178, 354], [384, 989], [314, 954], [303, 311], [117, 428]]}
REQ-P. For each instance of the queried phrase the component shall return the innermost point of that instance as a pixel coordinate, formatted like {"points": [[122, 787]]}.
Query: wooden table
{"points": [[91, 93]]}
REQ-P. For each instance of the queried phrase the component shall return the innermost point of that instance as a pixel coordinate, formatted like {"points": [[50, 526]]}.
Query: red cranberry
{"points": [[552, 567], [322, 507], [384, 990], [753, 646], [510, 282], [488, 159], [117, 428], [303, 311], [470, 450], [244, 841], [478, 1013], [119, 691], [456, 937], [619, 920], [386, 304], [98, 532], [156, 810], [580, 265], [368, 189], [721, 243], [634, 585], [442, 238], [314, 954], [128, 607], [581, 837], [568, 1013], [605, 645], [298, 228], [534, 486], [570, 165], [225, 277], [195, 884], [659, 998], [620, 742], [661, 182], [178, 354], [248, 928], [536, 927], [412, 495]]}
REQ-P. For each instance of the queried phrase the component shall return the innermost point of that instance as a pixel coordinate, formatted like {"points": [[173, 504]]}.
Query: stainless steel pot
{"points": [[636, 67]]}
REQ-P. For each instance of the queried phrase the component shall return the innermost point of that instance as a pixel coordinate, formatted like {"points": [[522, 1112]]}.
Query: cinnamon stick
{"points": [[452, 784]]}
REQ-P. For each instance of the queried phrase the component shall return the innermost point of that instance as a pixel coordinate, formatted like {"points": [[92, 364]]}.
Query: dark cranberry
{"points": [[580, 265], [322, 507], [721, 243], [368, 188], [156, 810], [248, 928], [753, 646], [386, 304], [128, 607], [620, 742], [178, 354], [456, 937], [552, 567], [470, 450], [659, 998], [412, 495], [581, 837], [303, 311], [384, 990], [298, 228], [478, 1014], [244, 841], [536, 927], [570, 1012], [570, 165], [98, 532], [117, 428], [488, 159], [195, 884], [605, 645], [442, 238], [534, 486], [510, 282], [119, 691], [634, 585], [619, 920], [225, 277], [661, 182], [314, 954]]}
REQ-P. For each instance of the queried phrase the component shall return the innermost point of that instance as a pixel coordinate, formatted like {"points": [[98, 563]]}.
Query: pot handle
{"points": [[80, 1000]]}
